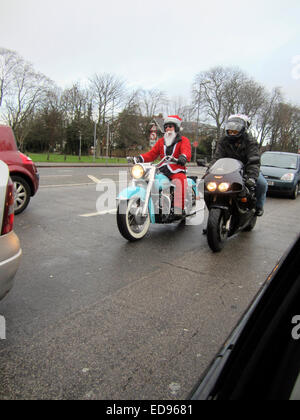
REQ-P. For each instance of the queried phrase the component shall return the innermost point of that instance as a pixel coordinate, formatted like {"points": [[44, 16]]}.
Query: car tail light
{"points": [[8, 219]]}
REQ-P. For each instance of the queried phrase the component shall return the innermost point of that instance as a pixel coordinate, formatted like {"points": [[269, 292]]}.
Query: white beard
{"points": [[170, 137]]}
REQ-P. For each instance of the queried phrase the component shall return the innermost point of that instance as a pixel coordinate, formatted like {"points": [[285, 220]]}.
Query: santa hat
{"points": [[173, 119]]}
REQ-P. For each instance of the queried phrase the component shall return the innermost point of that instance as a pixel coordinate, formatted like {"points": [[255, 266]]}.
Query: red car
{"points": [[23, 171]]}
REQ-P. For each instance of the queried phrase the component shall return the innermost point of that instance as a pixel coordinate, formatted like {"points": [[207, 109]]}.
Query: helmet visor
{"points": [[235, 126]]}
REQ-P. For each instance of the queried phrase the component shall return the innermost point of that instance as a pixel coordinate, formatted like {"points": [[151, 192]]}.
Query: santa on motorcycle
{"points": [[175, 145]]}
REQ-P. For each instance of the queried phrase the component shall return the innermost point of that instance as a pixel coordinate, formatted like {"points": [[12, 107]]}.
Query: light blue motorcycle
{"points": [[150, 199]]}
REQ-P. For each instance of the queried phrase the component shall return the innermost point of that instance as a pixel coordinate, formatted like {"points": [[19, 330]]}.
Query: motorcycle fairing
{"points": [[161, 182]]}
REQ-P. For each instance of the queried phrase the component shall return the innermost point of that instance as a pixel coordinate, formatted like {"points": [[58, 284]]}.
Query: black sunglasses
{"points": [[169, 126]]}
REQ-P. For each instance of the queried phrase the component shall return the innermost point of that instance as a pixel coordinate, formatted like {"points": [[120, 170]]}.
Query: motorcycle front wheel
{"points": [[217, 232], [131, 227]]}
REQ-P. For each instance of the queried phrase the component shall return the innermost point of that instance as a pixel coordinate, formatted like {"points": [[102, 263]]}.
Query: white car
{"points": [[10, 250]]}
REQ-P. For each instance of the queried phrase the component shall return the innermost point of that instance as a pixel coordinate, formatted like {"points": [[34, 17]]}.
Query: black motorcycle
{"points": [[231, 204]]}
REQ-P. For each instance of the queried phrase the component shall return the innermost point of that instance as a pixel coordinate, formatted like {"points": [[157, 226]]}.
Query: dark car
{"points": [[23, 171], [282, 172], [261, 358]]}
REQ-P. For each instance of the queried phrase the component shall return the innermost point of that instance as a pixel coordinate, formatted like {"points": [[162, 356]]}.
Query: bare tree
{"points": [[235, 89], [26, 94], [220, 92], [215, 92], [251, 98], [108, 92], [132, 99], [264, 121], [151, 102], [75, 102], [10, 61], [178, 106], [285, 128]]}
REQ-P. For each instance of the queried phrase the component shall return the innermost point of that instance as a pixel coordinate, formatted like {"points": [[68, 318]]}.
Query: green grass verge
{"points": [[39, 157]]}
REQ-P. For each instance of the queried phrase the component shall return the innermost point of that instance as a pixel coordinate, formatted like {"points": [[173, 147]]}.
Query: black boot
{"points": [[259, 212]]}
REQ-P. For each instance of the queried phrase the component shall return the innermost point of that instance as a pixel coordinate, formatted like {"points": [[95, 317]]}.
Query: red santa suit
{"points": [[177, 173]]}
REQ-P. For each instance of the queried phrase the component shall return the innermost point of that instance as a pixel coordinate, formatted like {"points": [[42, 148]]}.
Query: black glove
{"points": [[250, 182], [182, 160]]}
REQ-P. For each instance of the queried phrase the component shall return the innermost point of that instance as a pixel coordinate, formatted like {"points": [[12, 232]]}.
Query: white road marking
{"points": [[100, 213], [93, 178], [67, 185], [54, 176], [99, 181]]}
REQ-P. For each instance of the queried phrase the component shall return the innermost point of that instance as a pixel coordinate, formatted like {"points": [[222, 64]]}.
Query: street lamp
{"points": [[107, 140], [213, 146], [95, 141], [79, 145], [198, 99]]}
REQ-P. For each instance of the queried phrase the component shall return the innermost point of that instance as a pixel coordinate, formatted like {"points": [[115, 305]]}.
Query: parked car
{"points": [[282, 172], [23, 171], [260, 359], [10, 250]]}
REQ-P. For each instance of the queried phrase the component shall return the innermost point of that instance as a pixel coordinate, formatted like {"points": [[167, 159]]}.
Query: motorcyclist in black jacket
{"points": [[239, 144]]}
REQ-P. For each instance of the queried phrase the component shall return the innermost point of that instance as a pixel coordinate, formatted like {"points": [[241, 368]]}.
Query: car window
{"points": [[279, 161]]}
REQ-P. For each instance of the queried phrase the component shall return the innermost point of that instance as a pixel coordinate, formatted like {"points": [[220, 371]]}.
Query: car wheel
{"points": [[295, 192], [22, 193]]}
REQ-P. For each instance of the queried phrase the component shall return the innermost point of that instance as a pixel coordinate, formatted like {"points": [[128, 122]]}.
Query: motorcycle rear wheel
{"points": [[126, 221], [216, 230]]}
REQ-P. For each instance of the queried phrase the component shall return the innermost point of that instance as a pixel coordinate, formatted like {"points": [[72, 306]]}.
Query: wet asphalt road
{"points": [[94, 317]]}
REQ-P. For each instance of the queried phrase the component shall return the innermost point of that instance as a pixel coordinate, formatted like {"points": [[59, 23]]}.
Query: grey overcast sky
{"points": [[158, 44]]}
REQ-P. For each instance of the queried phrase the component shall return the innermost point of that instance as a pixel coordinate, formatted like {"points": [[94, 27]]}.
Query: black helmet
{"points": [[236, 125]]}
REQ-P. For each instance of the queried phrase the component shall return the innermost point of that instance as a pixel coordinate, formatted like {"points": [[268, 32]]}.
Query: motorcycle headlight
{"points": [[137, 171], [224, 187], [211, 186], [288, 177]]}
